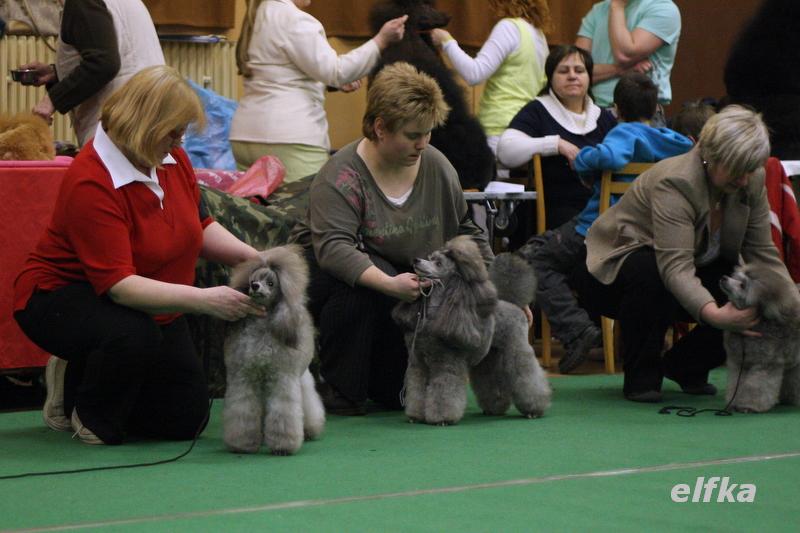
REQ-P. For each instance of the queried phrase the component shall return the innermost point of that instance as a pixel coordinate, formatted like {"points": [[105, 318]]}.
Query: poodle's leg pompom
{"points": [[790, 388], [416, 384], [758, 389], [313, 410], [241, 416], [490, 384], [530, 389], [283, 423], [446, 397]]}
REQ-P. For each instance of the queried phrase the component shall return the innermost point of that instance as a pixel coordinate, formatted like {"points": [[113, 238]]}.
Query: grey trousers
{"points": [[554, 256]]}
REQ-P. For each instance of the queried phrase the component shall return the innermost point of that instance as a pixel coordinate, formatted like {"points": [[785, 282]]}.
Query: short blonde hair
{"points": [[537, 12], [142, 113], [400, 93], [736, 140]]}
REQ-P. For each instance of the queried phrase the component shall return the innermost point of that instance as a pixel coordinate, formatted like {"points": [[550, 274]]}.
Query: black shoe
{"points": [[697, 389], [647, 396], [337, 404], [577, 350]]}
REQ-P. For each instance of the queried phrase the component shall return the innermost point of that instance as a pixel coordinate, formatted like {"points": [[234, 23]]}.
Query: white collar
{"points": [[121, 170], [564, 117]]}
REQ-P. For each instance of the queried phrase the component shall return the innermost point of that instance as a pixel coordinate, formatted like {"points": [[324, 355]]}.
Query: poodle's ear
{"points": [[291, 268], [240, 274], [467, 256], [785, 308], [465, 310]]}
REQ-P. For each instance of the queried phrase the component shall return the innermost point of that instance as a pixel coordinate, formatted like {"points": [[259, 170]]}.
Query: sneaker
{"points": [[82, 432], [577, 350], [647, 396], [53, 411], [337, 404]]}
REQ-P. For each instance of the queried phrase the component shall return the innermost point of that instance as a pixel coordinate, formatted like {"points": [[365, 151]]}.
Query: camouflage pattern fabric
{"points": [[261, 226]]}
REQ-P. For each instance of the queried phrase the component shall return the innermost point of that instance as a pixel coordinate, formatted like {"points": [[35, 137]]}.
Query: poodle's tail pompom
{"points": [[514, 279]]}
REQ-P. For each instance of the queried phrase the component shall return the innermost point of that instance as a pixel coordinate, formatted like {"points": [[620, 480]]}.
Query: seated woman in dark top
{"points": [[562, 120]]}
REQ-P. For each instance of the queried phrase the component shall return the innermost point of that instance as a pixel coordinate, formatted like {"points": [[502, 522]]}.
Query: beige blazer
{"points": [[667, 209]]}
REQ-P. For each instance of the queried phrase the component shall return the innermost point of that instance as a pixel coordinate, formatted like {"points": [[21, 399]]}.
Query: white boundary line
{"points": [[443, 490]]}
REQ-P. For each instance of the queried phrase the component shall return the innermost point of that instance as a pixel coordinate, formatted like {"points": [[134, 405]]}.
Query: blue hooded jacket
{"points": [[627, 142]]}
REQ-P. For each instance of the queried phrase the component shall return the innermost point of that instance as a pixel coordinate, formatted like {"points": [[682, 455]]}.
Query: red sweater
{"points": [[101, 235]]}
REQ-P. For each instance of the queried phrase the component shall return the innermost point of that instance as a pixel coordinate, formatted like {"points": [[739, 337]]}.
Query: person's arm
{"points": [[629, 47], [404, 286], [516, 148], [308, 48], [613, 153], [157, 297], [88, 26], [222, 246], [502, 42]]}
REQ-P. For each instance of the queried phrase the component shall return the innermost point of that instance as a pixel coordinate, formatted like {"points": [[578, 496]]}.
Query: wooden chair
{"points": [[609, 186], [534, 182]]}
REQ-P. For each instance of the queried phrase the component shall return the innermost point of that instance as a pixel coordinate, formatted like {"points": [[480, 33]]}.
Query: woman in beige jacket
{"points": [[658, 254]]}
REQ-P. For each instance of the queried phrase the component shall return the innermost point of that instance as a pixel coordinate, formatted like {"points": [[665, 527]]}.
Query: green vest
{"points": [[518, 80]]}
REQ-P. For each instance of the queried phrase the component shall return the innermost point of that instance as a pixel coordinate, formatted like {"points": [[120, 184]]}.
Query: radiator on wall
{"points": [[212, 65]]}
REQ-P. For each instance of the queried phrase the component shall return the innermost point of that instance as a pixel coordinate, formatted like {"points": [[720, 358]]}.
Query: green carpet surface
{"points": [[594, 462]]}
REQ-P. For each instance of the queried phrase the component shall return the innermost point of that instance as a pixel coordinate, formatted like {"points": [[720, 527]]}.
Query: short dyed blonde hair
{"points": [[735, 139], [400, 93], [155, 102], [537, 12]]}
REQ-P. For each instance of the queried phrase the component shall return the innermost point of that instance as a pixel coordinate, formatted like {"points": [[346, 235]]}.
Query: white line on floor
{"points": [[405, 494]]}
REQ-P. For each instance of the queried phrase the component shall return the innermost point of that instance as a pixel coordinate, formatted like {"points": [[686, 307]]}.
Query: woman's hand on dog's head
{"points": [[730, 318], [229, 304]]}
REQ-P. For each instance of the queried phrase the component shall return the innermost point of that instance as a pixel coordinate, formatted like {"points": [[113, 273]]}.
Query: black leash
{"points": [[119, 467], [689, 411]]}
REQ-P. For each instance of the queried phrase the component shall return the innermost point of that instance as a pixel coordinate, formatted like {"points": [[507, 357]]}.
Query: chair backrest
{"points": [[609, 186], [538, 186]]}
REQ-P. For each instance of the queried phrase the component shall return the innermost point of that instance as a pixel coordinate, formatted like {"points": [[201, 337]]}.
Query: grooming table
{"points": [[499, 206]]}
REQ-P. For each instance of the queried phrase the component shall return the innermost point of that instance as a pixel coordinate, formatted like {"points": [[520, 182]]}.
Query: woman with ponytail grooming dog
{"points": [[286, 62]]}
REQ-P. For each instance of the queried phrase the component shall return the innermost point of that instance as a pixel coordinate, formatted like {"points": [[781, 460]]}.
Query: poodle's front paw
{"points": [[282, 453], [531, 416], [745, 410], [443, 423]]}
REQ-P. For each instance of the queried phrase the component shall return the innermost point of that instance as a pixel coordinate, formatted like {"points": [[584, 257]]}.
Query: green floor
{"points": [[595, 462]]}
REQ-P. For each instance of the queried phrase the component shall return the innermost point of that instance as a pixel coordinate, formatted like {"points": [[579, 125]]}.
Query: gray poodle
{"points": [[270, 395], [769, 365], [462, 331]]}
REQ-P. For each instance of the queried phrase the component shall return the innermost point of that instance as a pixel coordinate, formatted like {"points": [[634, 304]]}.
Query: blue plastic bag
{"points": [[211, 147]]}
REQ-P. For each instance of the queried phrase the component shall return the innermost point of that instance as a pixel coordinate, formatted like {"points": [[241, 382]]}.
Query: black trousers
{"points": [[126, 374], [645, 310], [362, 353]]}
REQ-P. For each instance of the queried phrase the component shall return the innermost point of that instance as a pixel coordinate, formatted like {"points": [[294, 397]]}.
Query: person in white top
{"points": [[287, 62], [511, 62]]}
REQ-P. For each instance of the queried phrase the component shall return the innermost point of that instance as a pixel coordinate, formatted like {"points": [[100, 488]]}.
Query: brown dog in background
{"points": [[25, 137]]}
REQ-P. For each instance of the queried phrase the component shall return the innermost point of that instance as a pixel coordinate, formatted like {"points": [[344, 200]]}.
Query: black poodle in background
{"points": [[461, 139]]}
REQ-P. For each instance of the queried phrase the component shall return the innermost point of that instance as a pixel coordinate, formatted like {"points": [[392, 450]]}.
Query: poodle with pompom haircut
{"points": [[766, 368], [270, 395], [462, 330], [461, 138]]}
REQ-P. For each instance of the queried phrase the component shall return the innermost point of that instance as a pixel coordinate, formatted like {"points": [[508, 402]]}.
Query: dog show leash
{"points": [[689, 411], [422, 314]]}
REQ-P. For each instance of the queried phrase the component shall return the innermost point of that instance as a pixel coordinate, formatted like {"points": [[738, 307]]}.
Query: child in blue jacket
{"points": [[555, 253]]}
